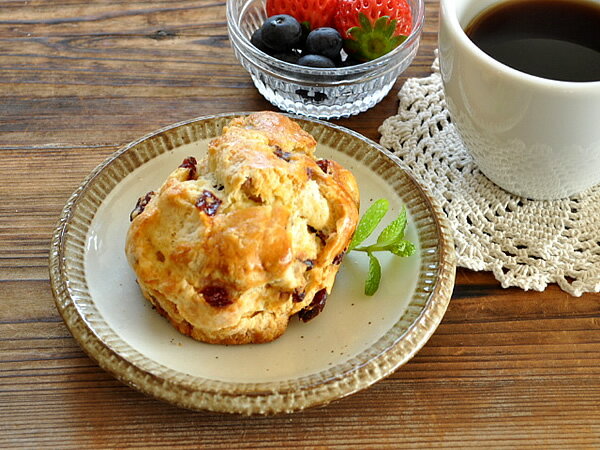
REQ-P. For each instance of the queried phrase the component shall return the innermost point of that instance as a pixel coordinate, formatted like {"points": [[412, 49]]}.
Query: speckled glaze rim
{"points": [[422, 316]]}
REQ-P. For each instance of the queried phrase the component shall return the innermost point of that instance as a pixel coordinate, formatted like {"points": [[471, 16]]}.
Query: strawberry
{"points": [[314, 13], [372, 28]]}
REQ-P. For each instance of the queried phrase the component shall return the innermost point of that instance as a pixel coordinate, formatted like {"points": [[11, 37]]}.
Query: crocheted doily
{"points": [[525, 243]]}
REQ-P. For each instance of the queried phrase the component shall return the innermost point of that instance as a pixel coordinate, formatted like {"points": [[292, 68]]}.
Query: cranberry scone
{"points": [[230, 247]]}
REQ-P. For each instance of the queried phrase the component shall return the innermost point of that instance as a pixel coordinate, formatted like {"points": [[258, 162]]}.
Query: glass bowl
{"points": [[316, 92]]}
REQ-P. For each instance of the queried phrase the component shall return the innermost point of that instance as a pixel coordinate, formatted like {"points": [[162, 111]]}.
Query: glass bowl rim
{"points": [[249, 51]]}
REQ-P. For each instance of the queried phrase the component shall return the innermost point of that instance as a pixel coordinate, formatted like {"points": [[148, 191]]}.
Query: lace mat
{"points": [[525, 243]]}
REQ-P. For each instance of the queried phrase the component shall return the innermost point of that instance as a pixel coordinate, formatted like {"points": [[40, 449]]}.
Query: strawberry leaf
{"points": [[397, 40], [381, 26], [354, 33], [364, 23], [370, 40], [351, 45]]}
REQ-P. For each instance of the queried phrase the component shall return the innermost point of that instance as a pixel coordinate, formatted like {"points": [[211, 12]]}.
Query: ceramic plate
{"points": [[354, 342]]}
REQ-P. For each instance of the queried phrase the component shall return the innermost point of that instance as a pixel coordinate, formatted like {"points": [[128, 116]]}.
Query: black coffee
{"points": [[556, 39]]}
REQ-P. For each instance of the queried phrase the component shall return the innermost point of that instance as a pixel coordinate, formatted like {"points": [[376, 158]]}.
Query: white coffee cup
{"points": [[534, 137]]}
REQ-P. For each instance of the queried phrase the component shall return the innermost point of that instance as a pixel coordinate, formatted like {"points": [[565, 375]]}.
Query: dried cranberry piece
{"points": [[322, 236], [286, 156], [208, 203], [310, 263], [315, 307], [325, 165], [319, 234], [338, 259], [247, 189], [190, 164], [141, 204], [216, 296], [298, 296]]}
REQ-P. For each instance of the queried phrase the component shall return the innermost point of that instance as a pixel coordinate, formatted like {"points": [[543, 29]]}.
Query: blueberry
{"points": [[290, 57], [316, 61], [324, 41], [257, 41], [281, 33]]}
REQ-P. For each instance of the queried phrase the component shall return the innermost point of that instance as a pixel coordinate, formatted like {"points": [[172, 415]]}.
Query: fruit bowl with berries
{"points": [[325, 58]]}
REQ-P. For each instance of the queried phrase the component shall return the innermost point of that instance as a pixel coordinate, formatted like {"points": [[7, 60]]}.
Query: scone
{"points": [[230, 247]]}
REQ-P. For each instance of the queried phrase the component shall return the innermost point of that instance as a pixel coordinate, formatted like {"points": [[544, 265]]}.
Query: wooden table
{"points": [[78, 79]]}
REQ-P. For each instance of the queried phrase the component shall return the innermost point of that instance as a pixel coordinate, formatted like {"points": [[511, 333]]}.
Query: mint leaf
{"points": [[394, 232], [369, 222], [374, 277], [403, 248]]}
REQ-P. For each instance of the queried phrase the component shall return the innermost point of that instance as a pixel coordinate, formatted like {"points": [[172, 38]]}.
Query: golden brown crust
{"points": [[229, 248]]}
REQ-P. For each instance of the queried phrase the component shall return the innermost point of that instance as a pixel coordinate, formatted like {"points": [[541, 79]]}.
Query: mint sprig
{"points": [[390, 240]]}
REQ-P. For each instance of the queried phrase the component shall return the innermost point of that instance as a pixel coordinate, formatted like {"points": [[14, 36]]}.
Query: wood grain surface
{"points": [[78, 79]]}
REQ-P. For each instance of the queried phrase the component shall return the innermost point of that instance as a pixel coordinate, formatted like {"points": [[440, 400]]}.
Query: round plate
{"points": [[354, 342]]}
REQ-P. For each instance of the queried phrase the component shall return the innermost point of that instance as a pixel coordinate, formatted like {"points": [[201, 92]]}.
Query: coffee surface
{"points": [[555, 39]]}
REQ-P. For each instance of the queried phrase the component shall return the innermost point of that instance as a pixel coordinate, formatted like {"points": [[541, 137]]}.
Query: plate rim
{"points": [[258, 402]]}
